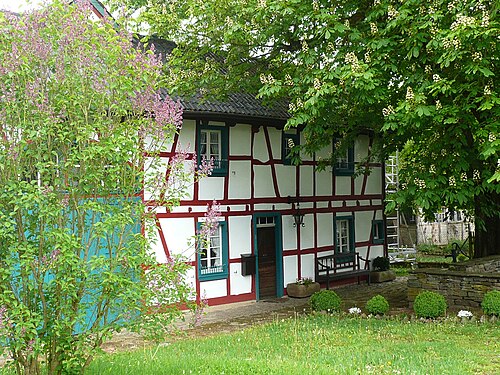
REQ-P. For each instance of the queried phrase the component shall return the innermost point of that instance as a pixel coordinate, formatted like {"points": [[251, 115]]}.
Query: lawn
{"points": [[322, 344]]}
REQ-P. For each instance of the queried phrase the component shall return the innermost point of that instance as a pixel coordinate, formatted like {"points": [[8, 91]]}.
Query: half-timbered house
{"points": [[277, 218]]}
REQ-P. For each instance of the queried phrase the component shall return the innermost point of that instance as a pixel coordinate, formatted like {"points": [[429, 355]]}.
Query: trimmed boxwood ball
{"points": [[429, 305], [377, 305], [325, 300], [491, 303]]}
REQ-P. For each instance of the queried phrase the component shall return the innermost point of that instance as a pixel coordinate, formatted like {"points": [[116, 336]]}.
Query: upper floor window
{"points": [[289, 141], [344, 164], [213, 145]]}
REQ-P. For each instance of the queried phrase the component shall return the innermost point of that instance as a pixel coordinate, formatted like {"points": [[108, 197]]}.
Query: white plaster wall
{"points": [[290, 273], [289, 233], [361, 147], [362, 250], [325, 229], [304, 156], [240, 238], [213, 289], [190, 278], [240, 137], [285, 175], [363, 225], [211, 188], [263, 182], [153, 238], [178, 233], [306, 180], [187, 136], [260, 146], [307, 232], [152, 172], [154, 145], [239, 179], [271, 207], [325, 253], [307, 266], [239, 284], [324, 183], [358, 184], [374, 183], [324, 153], [343, 185], [275, 139], [379, 215]]}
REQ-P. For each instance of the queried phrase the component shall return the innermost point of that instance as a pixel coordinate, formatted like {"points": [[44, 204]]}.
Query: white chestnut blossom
{"points": [[409, 94], [452, 182], [388, 111]]}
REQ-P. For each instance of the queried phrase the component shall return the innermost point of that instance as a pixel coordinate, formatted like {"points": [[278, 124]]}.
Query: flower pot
{"points": [[381, 276], [300, 291]]}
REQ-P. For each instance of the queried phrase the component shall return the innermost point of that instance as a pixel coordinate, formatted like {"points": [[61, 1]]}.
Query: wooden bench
{"points": [[340, 266]]}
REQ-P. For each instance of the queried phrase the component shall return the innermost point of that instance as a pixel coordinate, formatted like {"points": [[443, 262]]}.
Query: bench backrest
{"points": [[336, 262]]}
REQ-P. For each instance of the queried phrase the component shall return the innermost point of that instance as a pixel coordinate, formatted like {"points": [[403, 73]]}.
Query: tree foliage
{"points": [[81, 123], [420, 73]]}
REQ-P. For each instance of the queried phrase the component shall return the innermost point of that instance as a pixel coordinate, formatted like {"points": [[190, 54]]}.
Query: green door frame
{"points": [[279, 252]]}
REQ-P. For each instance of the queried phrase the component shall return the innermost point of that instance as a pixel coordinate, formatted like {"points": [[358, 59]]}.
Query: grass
{"points": [[322, 344]]}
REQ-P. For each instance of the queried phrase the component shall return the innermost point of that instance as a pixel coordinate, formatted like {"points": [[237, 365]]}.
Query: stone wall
{"points": [[463, 285]]}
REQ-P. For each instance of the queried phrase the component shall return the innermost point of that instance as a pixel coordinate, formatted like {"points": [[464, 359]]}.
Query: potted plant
{"points": [[303, 287], [381, 271]]}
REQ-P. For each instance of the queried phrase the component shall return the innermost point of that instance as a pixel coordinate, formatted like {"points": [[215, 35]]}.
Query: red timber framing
{"points": [[360, 198]]}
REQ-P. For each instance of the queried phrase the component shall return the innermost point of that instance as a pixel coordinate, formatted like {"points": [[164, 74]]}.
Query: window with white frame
{"points": [[212, 145], [344, 163], [344, 232], [212, 257]]}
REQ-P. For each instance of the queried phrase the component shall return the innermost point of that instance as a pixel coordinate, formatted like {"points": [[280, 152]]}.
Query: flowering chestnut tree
{"points": [[416, 73], [81, 126]]}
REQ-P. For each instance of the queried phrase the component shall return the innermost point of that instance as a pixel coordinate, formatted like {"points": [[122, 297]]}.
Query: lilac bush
{"points": [[81, 127]]}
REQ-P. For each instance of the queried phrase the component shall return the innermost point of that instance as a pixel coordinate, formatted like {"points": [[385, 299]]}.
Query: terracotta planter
{"points": [[382, 276], [300, 291]]}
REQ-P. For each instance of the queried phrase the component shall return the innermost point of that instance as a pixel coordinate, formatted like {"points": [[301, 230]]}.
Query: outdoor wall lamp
{"points": [[298, 218]]}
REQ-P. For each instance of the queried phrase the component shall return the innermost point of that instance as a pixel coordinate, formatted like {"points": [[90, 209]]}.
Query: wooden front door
{"points": [[266, 247]]}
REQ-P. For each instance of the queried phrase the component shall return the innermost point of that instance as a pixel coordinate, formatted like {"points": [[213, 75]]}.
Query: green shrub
{"points": [[491, 303], [377, 305], [381, 264], [429, 305], [462, 258], [401, 270], [326, 300]]}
